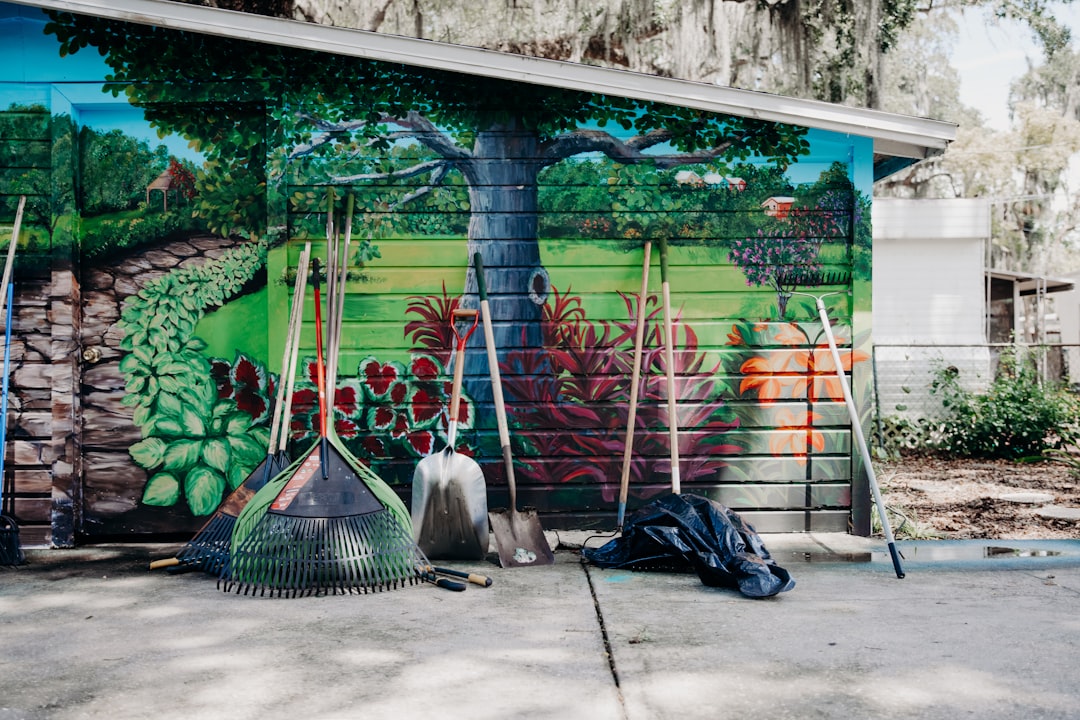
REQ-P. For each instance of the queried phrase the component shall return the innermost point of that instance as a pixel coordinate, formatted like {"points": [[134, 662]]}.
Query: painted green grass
{"points": [[705, 286], [239, 325]]}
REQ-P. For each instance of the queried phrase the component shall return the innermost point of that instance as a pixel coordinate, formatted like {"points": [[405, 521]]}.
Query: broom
{"points": [[843, 278], [325, 525], [209, 548]]}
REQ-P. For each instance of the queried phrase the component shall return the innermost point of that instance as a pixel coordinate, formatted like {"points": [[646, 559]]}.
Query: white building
{"points": [[936, 305]]}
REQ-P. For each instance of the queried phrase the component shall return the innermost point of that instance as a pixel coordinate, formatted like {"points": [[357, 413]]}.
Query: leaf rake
{"points": [[327, 524], [208, 550]]}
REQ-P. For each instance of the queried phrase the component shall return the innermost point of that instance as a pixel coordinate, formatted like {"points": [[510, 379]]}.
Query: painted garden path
{"points": [[113, 482]]}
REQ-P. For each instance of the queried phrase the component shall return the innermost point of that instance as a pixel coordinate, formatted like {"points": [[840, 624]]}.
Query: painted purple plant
{"points": [[569, 401], [785, 254]]}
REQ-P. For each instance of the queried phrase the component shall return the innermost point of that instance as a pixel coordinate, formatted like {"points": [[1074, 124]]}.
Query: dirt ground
{"points": [[977, 499]]}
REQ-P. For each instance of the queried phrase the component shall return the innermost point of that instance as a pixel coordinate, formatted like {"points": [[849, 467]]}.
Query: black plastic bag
{"points": [[690, 532]]}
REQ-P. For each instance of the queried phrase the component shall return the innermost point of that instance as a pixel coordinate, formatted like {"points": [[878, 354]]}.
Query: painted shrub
{"points": [[557, 190]]}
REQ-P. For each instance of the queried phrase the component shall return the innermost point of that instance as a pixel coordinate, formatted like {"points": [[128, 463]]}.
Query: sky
{"points": [[990, 54]]}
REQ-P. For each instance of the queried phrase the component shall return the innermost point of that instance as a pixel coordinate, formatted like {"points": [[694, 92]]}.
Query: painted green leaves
{"points": [[203, 421], [197, 445]]}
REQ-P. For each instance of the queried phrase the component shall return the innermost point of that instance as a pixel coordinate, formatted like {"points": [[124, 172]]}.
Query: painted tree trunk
{"points": [[503, 229]]}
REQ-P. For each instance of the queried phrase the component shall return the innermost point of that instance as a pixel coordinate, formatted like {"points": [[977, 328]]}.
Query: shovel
{"points": [[518, 536], [449, 497]]}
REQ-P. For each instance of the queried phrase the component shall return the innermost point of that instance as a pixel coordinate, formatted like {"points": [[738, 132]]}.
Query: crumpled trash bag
{"points": [[684, 532]]}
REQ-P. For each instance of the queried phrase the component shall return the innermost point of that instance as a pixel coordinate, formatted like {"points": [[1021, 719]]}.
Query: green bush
{"points": [[113, 237], [1016, 418]]}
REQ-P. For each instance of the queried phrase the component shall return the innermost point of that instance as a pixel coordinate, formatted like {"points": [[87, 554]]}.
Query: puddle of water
{"points": [[929, 552], [826, 557], [1019, 552], [970, 552]]}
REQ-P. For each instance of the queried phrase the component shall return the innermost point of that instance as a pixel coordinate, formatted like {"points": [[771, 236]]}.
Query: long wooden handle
{"points": [[669, 357], [295, 315], [459, 368], [320, 367], [635, 380], [496, 381], [339, 300], [286, 413], [10, 262]]}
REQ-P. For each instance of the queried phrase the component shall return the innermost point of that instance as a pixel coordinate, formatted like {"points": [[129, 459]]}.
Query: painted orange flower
{"points": [[826, 383], [794, 435], [735, 336], [788, 373], [774, 373], [790, 335]]}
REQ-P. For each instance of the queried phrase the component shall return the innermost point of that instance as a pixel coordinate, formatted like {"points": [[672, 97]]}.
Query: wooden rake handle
{"points": [[635, 380]]}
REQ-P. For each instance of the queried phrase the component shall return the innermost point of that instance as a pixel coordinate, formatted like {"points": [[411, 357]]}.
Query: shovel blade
{"points": [[519, 538], [449, 507]]}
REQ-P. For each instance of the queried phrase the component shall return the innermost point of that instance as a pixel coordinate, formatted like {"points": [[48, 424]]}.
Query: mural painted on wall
{"points": [[556, 189]]}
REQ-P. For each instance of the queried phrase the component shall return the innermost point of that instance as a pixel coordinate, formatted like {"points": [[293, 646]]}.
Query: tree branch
{"points": [[436, 179], [416, 127], [433, 166], [628, 152], [427, 134]]}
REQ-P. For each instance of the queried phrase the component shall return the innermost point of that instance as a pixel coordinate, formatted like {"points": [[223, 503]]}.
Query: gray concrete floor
{"points": [[970, 632]]}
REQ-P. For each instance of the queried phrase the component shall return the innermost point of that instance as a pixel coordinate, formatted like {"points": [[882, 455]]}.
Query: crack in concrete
{"points": [[606, 639]]}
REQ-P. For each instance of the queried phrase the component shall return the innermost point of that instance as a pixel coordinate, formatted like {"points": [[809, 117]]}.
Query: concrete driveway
{"points": [[970, 632]]}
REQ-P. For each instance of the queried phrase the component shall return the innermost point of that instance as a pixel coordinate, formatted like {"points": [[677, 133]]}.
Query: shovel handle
{"points": [[459, 362], [496, 380], [669, 363], [474, 578]]}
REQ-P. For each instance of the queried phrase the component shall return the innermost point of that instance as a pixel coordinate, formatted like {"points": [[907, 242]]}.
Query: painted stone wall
{"points": [[182, 310]]}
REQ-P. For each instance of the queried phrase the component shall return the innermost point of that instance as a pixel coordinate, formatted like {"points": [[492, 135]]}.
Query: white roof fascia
{"points": [[893, 135]]}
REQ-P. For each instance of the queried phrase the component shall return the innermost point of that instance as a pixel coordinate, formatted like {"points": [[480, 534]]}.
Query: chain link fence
{"points": [[907, 413]]}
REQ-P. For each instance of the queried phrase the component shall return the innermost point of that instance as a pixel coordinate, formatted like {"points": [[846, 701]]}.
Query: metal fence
{"points": [[906, 410]]}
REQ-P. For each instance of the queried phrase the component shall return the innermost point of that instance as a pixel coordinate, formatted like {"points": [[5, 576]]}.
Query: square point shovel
{"points": [[449, 496], [519, 537]]}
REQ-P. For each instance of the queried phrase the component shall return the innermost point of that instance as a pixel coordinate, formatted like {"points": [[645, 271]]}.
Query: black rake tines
{"points": [[286, 556], [10, 548], [208, 551]]}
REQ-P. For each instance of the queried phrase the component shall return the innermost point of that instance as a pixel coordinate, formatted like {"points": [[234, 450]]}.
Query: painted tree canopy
{"points": [[497, 135]]}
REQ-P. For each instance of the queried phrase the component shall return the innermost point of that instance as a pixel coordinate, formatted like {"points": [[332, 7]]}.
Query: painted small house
{"points": [[148, 338], [777, 206]]}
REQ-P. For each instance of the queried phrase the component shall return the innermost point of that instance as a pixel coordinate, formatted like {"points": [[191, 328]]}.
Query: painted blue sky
{"points": [[31, 57]]}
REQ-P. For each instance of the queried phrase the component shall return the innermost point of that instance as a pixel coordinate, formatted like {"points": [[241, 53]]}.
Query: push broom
{"points": [[209, 548], [853, 412], [325, 525]]}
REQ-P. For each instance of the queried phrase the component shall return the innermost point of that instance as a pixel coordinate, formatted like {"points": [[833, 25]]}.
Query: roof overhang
{"points": [[1030, 284], [899, 140]]}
